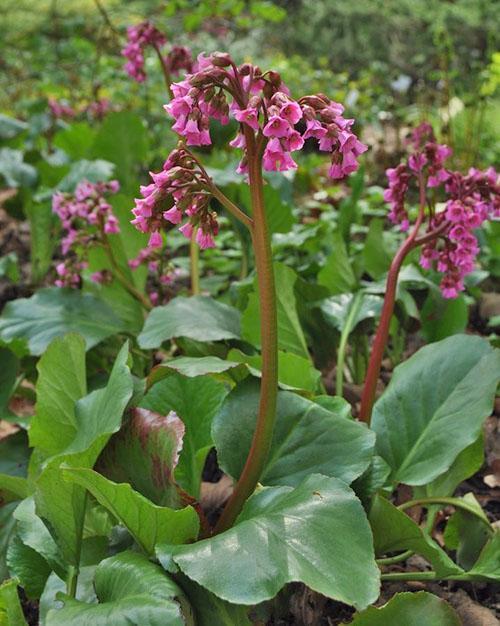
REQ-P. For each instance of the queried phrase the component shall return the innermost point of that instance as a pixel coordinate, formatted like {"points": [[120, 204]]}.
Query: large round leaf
{"points": [[317, 534], [434, 407], [198, 317], [307, 438], [52, 312]]}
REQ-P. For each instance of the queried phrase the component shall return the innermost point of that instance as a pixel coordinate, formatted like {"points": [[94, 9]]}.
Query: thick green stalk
{"points": [[262, 438]]}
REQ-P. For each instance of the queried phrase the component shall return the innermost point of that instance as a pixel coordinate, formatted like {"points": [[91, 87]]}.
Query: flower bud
{"points": [[221, 59]]}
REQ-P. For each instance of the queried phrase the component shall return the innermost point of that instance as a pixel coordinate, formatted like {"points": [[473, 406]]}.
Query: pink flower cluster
{"points": [[85, 215], [451, 246], [143, 35], [262, 104], [178, 191]]}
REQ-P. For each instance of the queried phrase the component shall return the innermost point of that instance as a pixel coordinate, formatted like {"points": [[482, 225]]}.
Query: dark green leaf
{"points": [[434, 407], [442, 318], [307, 438], [376, 256], [198, 317], [316, 533], [290, 335]]}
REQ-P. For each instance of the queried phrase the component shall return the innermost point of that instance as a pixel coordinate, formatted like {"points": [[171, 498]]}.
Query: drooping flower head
{"points": [[469, 200], [272, 125]]}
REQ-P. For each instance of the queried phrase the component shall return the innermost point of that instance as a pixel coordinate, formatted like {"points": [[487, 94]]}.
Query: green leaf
{"points": [[307, 438], [393, 530], [294, 371], [316, 533], [14, 170], [42, 237], [199, 317], [196, 366], [14, 454], [467, 463], [123, 140], [55, 585], [376, 256], [76, 140], [336, 309], [148, 523], [10, 127], [278, 212], [290, 335], [98, 415], [443, 317], [52, 312], [9, 364], [9, 267], [130, 590], [410, 609], [29, 567], [434, 407], [144, 453], [196, 401], [7, 531], [61, 382], [93, 171], [210, 610], [11, 613], [373, 479], [337, 273], [488, 564]]}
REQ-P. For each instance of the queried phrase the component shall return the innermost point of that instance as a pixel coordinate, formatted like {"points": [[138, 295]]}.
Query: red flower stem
{"points": [[382, 334], [166, 72], [263, 434]]}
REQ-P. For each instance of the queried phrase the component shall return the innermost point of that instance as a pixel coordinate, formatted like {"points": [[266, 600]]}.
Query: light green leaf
{"points": [[294, 371], [130, 590], [411, 609], [93, 171], [199, 317], [196, 401], [196, 366], [9, 364], [307, 438], [337, 308], [29, 567], [52, 312], [42, 237], [434, 407], [316, 533], [376, 254], [290, 335], [488, 564], [148, 523]]}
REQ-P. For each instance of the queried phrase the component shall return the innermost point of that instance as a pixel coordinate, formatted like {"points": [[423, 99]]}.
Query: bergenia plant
{"points": [[273, 124], [443, 229]]}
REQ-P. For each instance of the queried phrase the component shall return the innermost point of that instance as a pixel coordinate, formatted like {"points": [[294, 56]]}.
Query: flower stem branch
{"points": [[166, 72], [262, 438], [382, 334], [124, 282]]}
